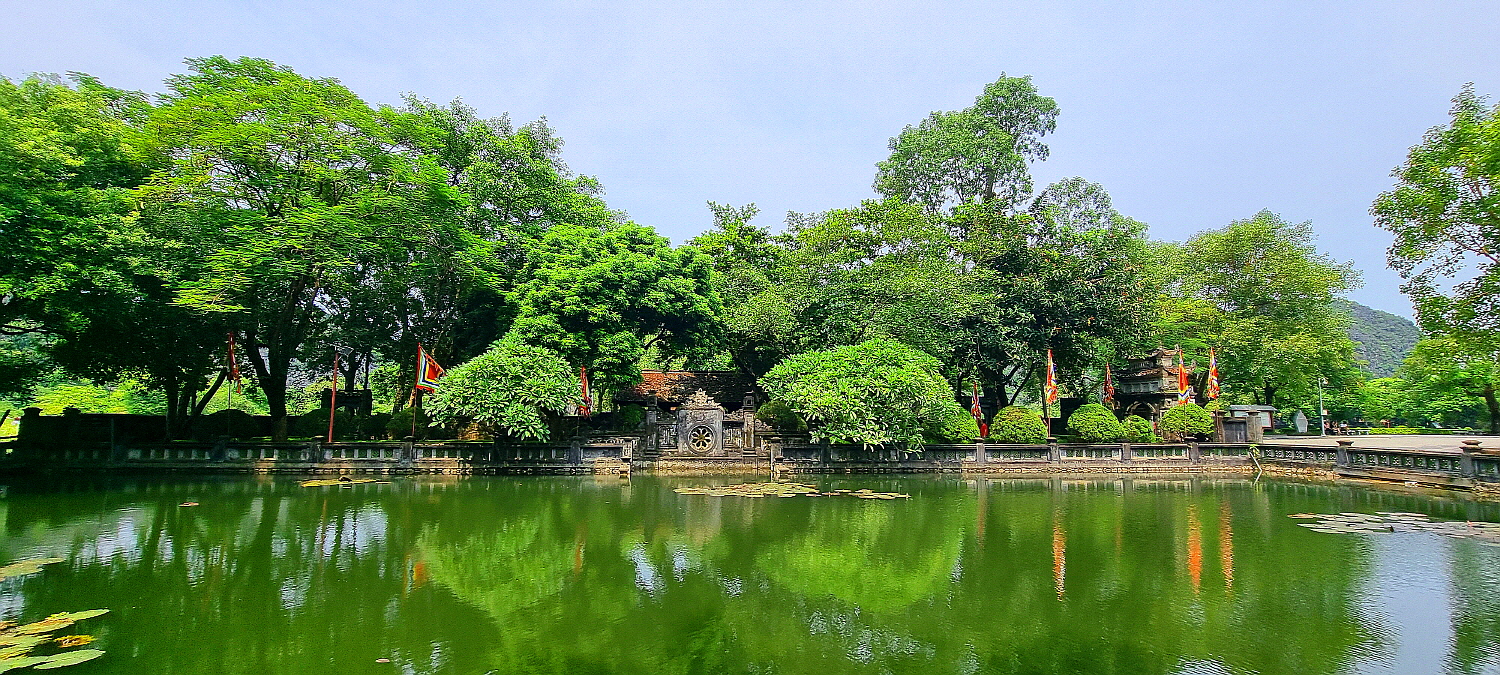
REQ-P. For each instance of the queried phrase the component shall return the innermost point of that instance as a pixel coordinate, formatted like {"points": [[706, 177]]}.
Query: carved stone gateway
{"points": [[700, 426]]}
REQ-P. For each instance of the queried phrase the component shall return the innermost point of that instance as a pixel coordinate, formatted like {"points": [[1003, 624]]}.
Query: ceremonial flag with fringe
{"points": [[428, 371], [1050, 390], [1109, 385], [1213, 374], [234, 366], [1184, 389]]}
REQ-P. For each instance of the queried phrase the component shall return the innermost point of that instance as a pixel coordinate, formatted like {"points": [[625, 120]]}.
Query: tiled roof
{"points": [[727, 387]]}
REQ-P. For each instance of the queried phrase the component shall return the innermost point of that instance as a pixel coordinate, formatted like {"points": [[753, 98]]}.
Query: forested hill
{"points": [[1381, 338]]}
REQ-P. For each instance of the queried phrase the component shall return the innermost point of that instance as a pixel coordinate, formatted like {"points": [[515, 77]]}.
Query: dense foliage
{"points": [[1137, 429], [1093, 423], [1188, 419], [512, 387], [282, 209], [1014, 424], [877, 392]]}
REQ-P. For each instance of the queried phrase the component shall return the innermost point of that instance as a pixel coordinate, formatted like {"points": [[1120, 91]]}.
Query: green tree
{"points": [[1453, 383], [975, 155], [603, 295], [512, 387], [1260, 293], [279, 186], [1445, 214], [1188, 419], [873, 393]]}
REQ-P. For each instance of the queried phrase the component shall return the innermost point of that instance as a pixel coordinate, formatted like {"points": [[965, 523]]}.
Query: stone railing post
{"points": [[1054, 453], [1126, 454], [1194, 455], [1341, 456], [1466, 461], [981, 456]]}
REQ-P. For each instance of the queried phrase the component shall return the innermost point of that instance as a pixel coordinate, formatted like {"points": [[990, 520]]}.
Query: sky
{"points": [[1191, 114]]}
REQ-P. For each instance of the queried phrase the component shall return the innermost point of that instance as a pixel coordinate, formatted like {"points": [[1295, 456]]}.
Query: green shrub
{"points": [[1018, 425], [781, 417], [1138, 430], [400, 424], [1188, 419], [314, 424], [630, 417], [512, 387], [1216, 404], [959, 427], [1094, 423], [877, 392]]}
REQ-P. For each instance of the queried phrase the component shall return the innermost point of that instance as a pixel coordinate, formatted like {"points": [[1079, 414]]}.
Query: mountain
{"points": [[1380, 338]]}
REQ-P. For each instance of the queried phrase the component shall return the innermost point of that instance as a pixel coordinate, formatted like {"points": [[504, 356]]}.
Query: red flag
{"points": [[428, 371], [585, 410], [234, 366], [1184, 390], [1109, 385], [978, 413]]}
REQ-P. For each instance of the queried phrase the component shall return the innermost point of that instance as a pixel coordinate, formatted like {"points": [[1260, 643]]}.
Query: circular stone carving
{"points": [[701, 439]]}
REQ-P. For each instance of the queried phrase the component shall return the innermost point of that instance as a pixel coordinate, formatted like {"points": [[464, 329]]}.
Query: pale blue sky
{"points": [[1191, 114]]}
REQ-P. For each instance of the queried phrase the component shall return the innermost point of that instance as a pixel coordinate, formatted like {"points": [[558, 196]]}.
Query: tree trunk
{"points": [[170, 387]]}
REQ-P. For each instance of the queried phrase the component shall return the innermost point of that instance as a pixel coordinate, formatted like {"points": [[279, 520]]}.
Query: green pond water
{"points": [[591, 575]]}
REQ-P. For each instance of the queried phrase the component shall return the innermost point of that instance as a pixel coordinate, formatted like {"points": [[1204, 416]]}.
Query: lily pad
{"points": [[86, 614], [70, 658], [20, 662], [25, 567]]}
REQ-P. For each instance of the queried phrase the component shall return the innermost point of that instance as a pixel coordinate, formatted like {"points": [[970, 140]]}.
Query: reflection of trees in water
{"points": [[1474, 574], [580, 576]]}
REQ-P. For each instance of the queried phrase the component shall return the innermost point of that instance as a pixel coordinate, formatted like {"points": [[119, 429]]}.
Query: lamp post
{"points": [[1322, 410]]}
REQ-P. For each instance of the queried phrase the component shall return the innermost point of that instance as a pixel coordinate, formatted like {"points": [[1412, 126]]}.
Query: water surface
{"points": [[586, 575]]}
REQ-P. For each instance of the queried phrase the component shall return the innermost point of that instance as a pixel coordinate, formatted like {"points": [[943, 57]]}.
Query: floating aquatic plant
{"points": [[782, 490], [1383, 522], [19, 641], [343, 480], [25, 567]]}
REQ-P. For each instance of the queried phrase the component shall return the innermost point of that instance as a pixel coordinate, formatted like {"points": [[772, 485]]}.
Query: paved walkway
{"points": [[1390, 441]]}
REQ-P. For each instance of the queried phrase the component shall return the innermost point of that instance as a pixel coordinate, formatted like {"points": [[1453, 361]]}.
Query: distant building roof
{"points": [[727, 387]]}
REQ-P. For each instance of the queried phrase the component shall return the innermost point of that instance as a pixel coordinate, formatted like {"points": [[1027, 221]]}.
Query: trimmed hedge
{"points": [[1138, 430], [1018, 425], [1188, 419], [1094, 423]]}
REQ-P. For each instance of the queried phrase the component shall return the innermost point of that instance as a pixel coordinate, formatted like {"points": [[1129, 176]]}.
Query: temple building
{"points": [[706, 414], [1148, 386]]}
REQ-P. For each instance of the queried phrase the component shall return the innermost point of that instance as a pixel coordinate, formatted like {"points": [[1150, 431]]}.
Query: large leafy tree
{"points": [[1453, 381], [1259, 291], [603, 294], [1445, 214], [975, 155], [874, 393], [76, 269], [279, 186]]}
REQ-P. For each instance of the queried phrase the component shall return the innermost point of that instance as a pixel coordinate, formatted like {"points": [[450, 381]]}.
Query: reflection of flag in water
{"points": [[428, 371], [978, 413], [587, 408], [1213, 374], [1050, 390], [1059, 557], [1184, 390], [1109, 385]]}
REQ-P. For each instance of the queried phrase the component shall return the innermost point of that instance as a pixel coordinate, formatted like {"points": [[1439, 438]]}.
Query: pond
{"points": [[602, 575]]}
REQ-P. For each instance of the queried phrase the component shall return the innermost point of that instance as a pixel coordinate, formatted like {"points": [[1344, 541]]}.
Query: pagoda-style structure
{"points": [[1148, 387]]}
